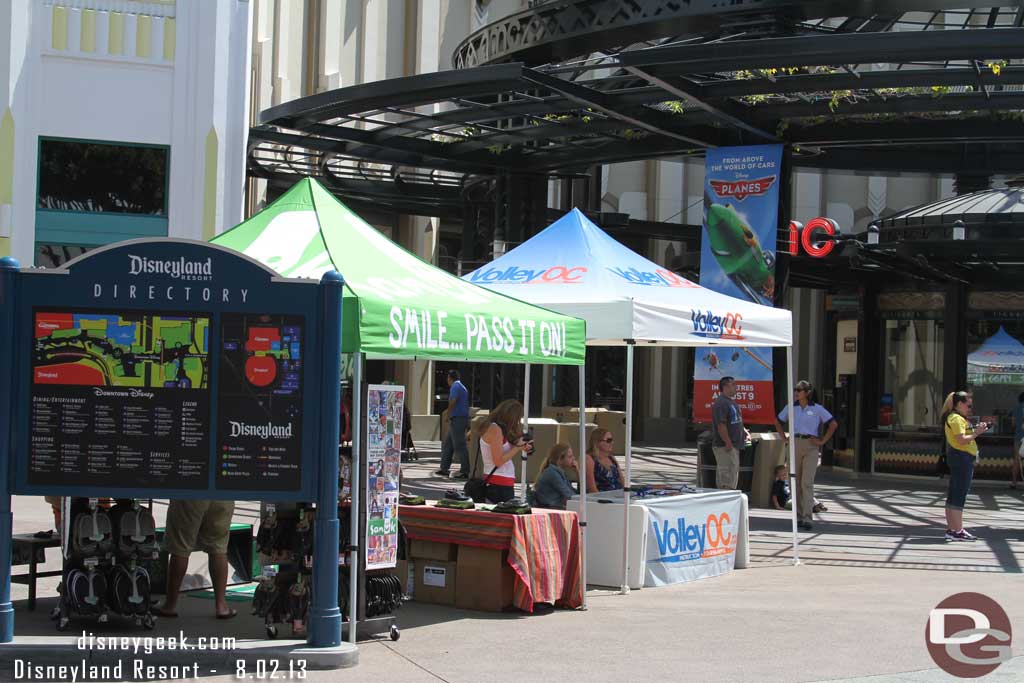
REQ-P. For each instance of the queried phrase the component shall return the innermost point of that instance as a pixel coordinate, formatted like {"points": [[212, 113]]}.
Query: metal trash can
{"points": [[707, 467]]}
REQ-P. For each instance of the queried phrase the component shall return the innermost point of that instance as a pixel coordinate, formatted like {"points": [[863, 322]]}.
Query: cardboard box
{"points": [[429, 550], [573, 414], [569, 432], [403, 571], [434, 582], [558, 413], [484, 580], [544, 437], [426, 427], [770, 451], [615, 422]]}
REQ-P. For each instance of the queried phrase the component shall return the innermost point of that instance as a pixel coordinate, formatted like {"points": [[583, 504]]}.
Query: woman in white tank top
{"points": [[500, 439]]}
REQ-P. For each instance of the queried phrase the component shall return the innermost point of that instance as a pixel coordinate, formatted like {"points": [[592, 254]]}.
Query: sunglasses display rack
{"points": [[285, 546], [285, 541]]}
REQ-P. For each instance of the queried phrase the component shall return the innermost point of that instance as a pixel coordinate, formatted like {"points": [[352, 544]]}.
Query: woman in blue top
{"points": [[603, 472], [552, 488], [809, 417]]}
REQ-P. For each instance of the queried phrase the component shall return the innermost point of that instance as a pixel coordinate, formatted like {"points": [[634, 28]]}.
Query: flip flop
{"points": [[231, 614], [161, 612]]}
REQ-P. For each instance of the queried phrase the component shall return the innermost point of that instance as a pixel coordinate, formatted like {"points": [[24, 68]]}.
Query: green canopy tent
{"points": [[398, 306]]}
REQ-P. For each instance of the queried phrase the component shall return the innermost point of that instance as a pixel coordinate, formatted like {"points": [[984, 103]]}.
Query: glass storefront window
{"points": [[85, 176], [912, 374], [56, 255], [995, 370]]}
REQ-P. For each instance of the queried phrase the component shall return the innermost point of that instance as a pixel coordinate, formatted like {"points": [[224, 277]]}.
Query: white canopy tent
{"points": [[575, 268]]}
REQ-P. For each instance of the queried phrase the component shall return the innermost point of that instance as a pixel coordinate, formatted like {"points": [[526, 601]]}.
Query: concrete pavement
{"points": [[875, 565]]}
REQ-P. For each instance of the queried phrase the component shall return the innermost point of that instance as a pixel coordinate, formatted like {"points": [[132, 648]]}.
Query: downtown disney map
{"points": [[108, 388], [111, 389], [154, 351]]}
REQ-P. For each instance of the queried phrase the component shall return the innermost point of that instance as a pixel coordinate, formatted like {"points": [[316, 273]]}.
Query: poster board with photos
{"points": [[384, 412]]}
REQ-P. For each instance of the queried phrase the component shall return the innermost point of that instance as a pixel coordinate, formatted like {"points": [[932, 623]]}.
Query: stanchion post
{"points": [[526, 420], [794, 493], [581, 466], [8, 279], [356, 484], [624, 588], [325, 615]]}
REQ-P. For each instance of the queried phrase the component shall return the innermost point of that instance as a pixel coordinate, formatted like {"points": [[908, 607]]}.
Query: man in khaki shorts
{"points": [[728, 434], [197, 525]]}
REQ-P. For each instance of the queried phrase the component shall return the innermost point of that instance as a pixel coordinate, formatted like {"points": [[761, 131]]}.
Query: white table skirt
{"points": [[605, 532]]}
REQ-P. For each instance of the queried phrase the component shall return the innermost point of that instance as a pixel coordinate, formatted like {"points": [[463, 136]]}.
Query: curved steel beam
{"points": [[837, 50], [562, 29]]}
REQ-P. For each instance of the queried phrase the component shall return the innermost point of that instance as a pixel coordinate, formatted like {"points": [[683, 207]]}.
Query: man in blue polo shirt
{"points": [[458, 423], [808, 419]]}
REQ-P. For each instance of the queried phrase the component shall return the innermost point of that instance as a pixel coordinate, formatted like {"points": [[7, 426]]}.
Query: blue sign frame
{"points": [[174, 277], [179, 277]]}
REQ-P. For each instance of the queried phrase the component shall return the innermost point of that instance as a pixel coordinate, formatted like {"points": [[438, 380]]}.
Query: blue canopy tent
{"points": [[999, 360], [575, 268]]}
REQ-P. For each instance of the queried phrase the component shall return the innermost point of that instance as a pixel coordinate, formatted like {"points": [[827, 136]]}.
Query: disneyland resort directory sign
{"points": [[167, 368]]}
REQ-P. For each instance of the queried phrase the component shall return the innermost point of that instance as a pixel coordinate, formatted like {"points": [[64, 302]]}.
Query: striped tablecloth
{"points": [[543, 547]]}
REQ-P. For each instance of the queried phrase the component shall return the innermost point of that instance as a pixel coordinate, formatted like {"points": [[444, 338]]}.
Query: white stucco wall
{"points": [[164, 72]]}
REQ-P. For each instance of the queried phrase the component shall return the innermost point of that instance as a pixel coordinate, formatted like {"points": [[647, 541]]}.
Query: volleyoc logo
{"points": [[968, 635], [560, 275], [687, 542], [658, 278], [717, 326]]}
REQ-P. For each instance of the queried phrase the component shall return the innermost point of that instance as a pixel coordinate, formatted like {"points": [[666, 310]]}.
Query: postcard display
{"points": [[168, 369], [384, 404]]}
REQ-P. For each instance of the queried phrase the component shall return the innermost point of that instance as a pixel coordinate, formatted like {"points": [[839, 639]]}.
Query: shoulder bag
{"points": [[942, 467], [477, 488]]}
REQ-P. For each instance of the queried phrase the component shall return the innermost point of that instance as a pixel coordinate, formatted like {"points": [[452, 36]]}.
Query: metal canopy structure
{"points": [[565, 86]]}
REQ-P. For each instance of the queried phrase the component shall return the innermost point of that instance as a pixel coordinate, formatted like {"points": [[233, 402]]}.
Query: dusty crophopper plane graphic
{"points": [[723, 365], [738, 251]]}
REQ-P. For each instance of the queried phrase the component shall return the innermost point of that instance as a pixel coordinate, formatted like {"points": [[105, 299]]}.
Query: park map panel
{"points": [[120, 399], [259, 444]]}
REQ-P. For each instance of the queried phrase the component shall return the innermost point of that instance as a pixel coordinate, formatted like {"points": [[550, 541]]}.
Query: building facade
{"points": [[125, 119], [120, 119], [305, 47]]}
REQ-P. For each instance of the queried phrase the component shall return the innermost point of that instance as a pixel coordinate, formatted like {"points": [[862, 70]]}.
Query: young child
{"points": [[780, 488]]}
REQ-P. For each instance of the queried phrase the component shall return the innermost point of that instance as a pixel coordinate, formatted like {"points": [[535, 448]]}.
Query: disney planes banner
{"points": [[741, 200]]}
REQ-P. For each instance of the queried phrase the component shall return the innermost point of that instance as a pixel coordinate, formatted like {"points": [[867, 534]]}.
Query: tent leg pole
{"points": [[581, 460], [526, 420], [624, 588], [795, 494], [357, 444]]}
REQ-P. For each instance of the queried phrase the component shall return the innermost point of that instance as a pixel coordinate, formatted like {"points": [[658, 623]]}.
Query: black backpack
{"points": [[86, 591], [135, 532], [129, 591], [91, 535]]}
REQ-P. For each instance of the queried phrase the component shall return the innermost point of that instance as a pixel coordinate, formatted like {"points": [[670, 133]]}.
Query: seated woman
{"points": [[501, 437], [552, 488], [602, 469]]}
